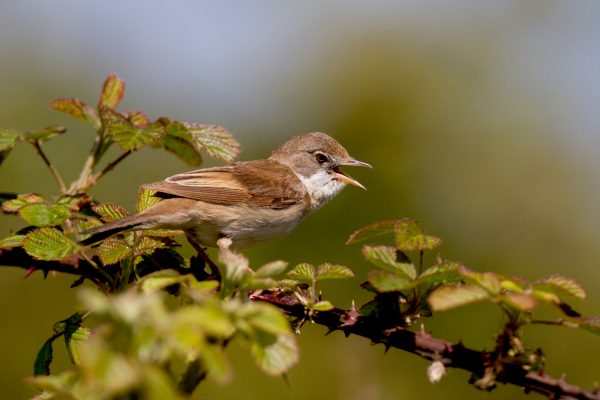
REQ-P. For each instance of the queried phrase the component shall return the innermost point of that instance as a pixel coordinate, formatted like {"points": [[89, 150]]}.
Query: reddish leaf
{"points": [[113, 91]]}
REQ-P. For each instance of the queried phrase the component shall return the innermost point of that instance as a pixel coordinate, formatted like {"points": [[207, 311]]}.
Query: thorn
{"points": [[387, 347], [346, 332], [29, 272], [330, 330], [78, 282]]}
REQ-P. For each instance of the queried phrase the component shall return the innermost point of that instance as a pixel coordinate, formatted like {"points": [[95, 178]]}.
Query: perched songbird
{"points": [[245, 203]]}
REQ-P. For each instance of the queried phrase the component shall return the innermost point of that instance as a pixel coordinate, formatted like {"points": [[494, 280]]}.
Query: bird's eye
{"points": [[321, 158]]}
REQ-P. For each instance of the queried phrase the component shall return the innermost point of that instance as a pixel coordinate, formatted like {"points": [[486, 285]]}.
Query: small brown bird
{"points": [[245, 203]]}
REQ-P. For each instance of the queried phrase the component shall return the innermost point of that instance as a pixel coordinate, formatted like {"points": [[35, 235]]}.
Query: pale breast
{"points": [[245, 225]]}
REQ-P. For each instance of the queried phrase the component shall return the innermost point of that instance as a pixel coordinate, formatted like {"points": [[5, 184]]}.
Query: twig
{"points": [[421, 343], [51, 167], [108, 167]]}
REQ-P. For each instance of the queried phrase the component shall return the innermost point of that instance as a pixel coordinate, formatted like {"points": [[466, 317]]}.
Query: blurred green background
{"points": [[480, 118]]}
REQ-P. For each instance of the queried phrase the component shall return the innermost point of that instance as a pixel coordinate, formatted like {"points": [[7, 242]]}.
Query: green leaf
{"points": [[179, 141], [591, 324], [126, 135], [209, 319], [271, 269], [385, 257], [145, 199], [78, 109], [236, 271], [113, 91], [217, 364], [137, 118], [46, 133], [441, 273], [73, 335], [12, 206], [331, 271], [8, 139], [218, 142], [148, 245], [384, 281], [160, 280], [264, 317], [43, 359], [371, 231], [48, 244], [560, 285], [303, 272], [323, 305], [410, 236], [12, 241], [113, 250], [44, 214], [520, 301], [110, 212], [489, 281], [449, 297], [275, 355]]}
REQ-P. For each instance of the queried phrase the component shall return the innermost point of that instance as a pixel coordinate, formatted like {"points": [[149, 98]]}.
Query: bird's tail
{"points": [[111, 228]]}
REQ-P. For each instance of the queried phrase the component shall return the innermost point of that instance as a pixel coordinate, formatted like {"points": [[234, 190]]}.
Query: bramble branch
{"points": [[452, 355], [483, 364]]}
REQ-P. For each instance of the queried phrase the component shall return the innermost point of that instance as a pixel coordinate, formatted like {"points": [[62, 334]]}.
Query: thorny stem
{"points": [[51, 167]]}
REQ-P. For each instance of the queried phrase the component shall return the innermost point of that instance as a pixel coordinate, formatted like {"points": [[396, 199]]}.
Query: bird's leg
{"points": [[214, 270], [224, 243]]}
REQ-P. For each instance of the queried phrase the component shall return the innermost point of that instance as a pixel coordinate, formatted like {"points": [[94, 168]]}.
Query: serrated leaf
{"points": [[561, 285], [179, 141], [591, 324], [384, 281], [43, 359], [113, 91], [46, 133], [271, 269], [333, 271], [44, 214], [218, 142], [48, 244], [323, 305], [385, 257], [12, 241], [441, 273], [110, 212], [73, 335], [520, 301], [113, 250], [12, 206], [137, 118], [410, 236], [126, 135], [303, 272], [486, 280], [145, 199], [371, 231], [148, 245], [449, 297], [78, 109], [75, 202], [8, 138], [275, 355]]}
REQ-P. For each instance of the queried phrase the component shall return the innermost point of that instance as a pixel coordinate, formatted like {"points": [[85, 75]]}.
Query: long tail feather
{"points": [[103, 231]]}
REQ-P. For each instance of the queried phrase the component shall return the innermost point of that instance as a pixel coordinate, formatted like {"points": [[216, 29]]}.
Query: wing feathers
{"points": [[263, 183]]}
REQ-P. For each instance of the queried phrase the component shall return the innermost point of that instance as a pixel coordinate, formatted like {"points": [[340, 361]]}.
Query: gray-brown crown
{"points": [[311, 142]]}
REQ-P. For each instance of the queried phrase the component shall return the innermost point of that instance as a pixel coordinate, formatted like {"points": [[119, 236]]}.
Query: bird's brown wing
{"points": [[262, 183]]}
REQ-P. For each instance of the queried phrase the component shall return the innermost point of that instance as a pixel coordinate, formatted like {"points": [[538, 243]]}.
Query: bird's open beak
{"points": [[344, 177]]}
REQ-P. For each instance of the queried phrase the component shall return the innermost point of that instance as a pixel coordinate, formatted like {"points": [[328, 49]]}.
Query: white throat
{"points": [[321, 187]]}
